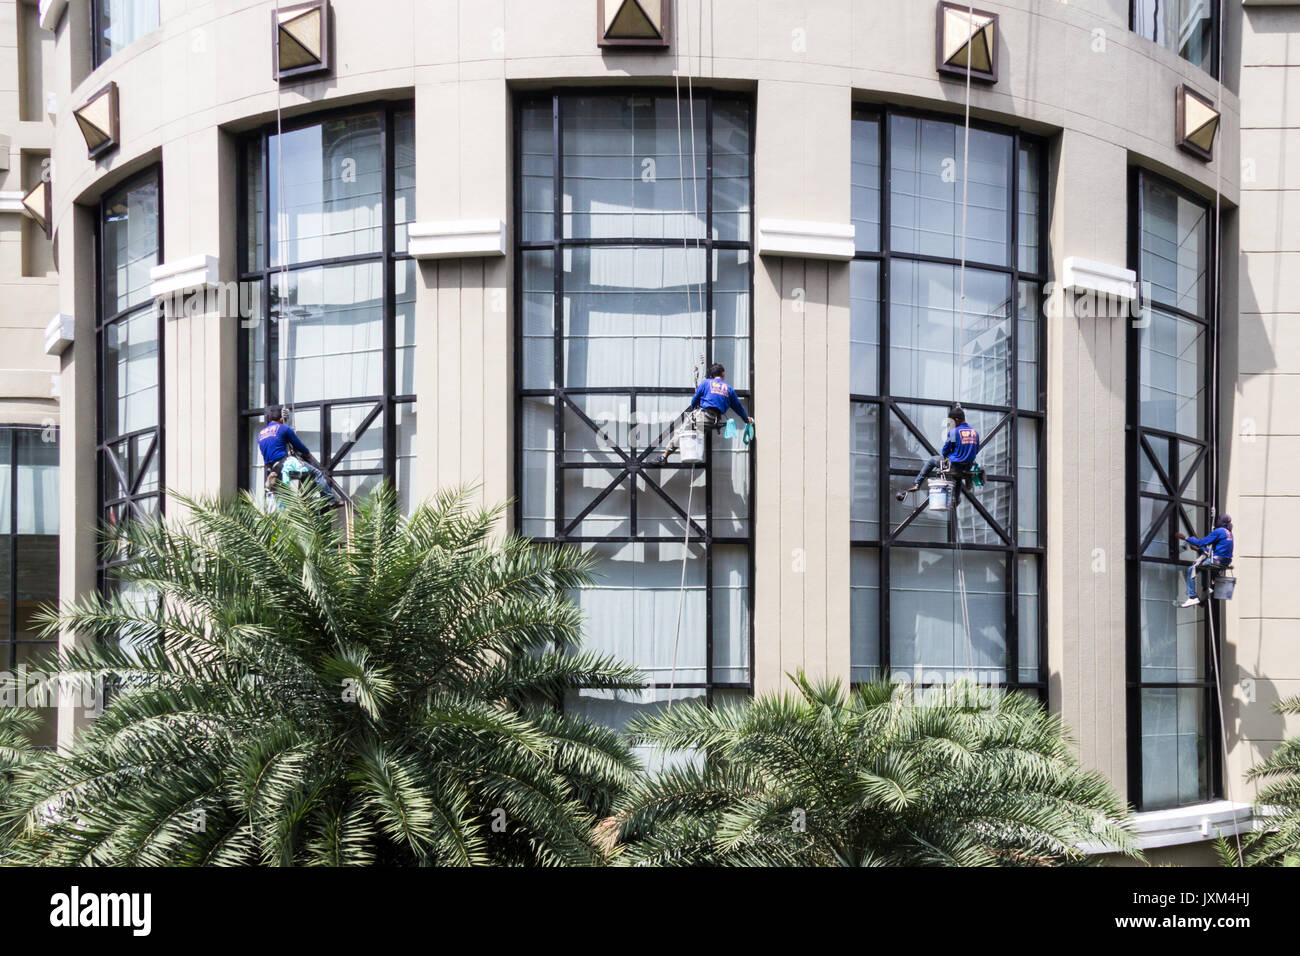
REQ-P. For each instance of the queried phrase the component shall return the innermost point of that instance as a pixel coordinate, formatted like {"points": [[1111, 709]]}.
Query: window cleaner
{"points": [[286, 457], [1216, 555], [956, 459], [709, 405]]}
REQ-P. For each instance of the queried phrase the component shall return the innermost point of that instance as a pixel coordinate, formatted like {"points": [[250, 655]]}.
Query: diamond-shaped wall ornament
{"points": [[632, 23], [98, 121], [36, 203], [1198, 123], [300, 41], [966, 38]]}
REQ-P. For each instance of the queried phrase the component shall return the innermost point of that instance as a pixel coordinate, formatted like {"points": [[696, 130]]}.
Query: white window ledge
{"points": [[11, 200], [59, 334], [50, 13], [805, 239], [1198, 823], [184, 275], [1087, 275], [457, 239]]}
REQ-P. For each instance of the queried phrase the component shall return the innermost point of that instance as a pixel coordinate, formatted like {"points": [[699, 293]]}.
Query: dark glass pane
{"points": [[1175, 249], [943, 347], [1174, 373], [864, 460], [129, 400], [331, 174], [633, 316], [130, 244], [403, 177], [1174, 768], [1028, 203], [731, 307], [731, 174], [864, 614], [731, 614], [864, 328], [928, 638], [329, 333], [926, 191], [865, 183], [629, 171], [537, 172]]}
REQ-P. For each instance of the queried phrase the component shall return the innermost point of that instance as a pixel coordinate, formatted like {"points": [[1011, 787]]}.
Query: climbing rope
{"points": [[968, 647], [1214, 426], [686, 262]]}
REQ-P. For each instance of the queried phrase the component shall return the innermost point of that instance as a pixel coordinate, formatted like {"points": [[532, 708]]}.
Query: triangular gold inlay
{"points": [[34, 203], [630, 22]]}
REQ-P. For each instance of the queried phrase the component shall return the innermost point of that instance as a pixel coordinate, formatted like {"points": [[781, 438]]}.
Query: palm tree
{"points": [[297, 694], [16, 728], [881, 776], [1278, 803]]}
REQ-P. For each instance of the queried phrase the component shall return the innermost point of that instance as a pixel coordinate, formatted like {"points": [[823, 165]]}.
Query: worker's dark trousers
{"points": [[704, 419]]}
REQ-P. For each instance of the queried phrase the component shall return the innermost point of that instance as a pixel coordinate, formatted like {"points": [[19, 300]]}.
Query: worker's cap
{"points": [[956, 412], [1225, 521]]}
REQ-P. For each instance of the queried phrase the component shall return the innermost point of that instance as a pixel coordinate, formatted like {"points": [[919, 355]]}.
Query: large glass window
{"points": [[130, 360], [326, 208], [938, 596], [119, 23], [1188, 27], [1171, 714], [29, 551], [634, 273]]}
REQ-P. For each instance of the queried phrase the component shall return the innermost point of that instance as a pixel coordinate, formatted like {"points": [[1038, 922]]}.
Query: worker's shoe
{"points": [[1191, 602], [903, 494]]}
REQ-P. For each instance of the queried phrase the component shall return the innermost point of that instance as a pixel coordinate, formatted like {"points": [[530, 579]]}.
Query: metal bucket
{"points": [[1222, 587], [691, 444], [940, 494]]}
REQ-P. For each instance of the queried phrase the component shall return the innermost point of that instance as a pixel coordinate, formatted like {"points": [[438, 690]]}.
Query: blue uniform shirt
{"points": [[716, 393], [962, 446], [276, 440], [1221, 540]]}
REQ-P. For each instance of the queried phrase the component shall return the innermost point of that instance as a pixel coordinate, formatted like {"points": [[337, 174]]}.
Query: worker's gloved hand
{"points": [[1181, 536]]}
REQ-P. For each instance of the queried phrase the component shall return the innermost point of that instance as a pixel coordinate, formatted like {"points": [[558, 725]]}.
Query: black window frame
{"points": [[1175, 502], [705, 98], [156, 449], [1216, 12], [888, 405], [386, 404]]}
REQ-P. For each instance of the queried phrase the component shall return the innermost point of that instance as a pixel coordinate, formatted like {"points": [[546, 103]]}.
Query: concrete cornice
{"points": [[183, 275], [457, 239], [805, 239], [1087, 275], [59, 333], [51, 12]]}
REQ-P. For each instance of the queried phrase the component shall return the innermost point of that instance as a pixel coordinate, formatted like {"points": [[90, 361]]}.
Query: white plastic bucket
{"points": [[1222, 587], [940, 494], [691, 443]]}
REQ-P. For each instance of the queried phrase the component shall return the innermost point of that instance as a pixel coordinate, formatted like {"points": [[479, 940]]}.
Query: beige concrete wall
{"points": [[1086, 491], [28, 285], [1264, 447]]}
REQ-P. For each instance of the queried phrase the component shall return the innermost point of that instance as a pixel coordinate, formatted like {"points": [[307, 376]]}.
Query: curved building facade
{"points": [[498, 243]]}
